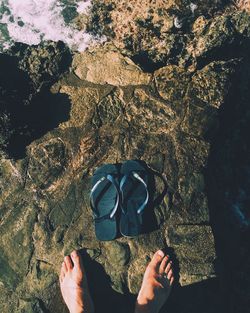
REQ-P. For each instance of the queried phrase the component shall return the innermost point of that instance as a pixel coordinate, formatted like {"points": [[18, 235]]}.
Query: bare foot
{"points": [[156, 285], [73, 284]]}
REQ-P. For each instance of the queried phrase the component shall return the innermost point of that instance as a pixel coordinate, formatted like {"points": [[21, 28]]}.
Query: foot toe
{"points": [[62, 272], [76, 258], [61, 277], [170, 274], [64, 268], [68, 262], [157, 258], [163, 265], [171, 280], [168, 267]]}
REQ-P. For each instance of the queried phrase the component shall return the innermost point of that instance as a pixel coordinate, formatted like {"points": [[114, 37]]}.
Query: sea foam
{"points": [[33, 21]]}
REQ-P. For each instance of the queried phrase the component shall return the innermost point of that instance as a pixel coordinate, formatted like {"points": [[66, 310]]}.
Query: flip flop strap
{"points": [[111, 179], [138, 177]]}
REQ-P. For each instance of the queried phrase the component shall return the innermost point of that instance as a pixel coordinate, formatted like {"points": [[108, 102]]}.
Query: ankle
{"points": [[144, 298], [78, 311], [144, 305], [145, 308]]}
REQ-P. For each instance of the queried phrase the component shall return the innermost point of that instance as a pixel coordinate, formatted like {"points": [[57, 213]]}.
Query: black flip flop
{"points": [[134, 197], [104, 199]]}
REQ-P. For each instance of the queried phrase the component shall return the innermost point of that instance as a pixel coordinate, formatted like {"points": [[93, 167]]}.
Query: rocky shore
{"points": [[170, 86]]}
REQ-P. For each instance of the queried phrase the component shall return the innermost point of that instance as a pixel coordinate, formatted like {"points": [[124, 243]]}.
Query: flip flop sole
{"points": [[131, 222], [104, 197]]}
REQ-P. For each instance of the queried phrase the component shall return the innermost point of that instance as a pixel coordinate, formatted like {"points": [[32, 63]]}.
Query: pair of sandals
{"points": [[119, 192]]}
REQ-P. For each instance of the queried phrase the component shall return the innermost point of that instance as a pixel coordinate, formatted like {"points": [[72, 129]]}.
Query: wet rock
{"points": [[100, 19], [45, 62], [15, 88], [241, 23], [140, 27], [243, 5], [153, 36], [27, 107], [199, 25], [219, 34]]}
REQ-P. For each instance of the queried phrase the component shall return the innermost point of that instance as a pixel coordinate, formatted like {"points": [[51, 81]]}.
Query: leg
{"points": [[156, 285], [73, 284]]}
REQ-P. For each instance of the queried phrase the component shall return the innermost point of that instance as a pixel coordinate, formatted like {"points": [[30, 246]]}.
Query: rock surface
{"points": [[187, 117], [109, 67]]}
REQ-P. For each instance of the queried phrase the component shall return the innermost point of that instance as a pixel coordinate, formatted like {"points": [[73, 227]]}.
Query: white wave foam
{"points": [[32, 21], [83, 6]]}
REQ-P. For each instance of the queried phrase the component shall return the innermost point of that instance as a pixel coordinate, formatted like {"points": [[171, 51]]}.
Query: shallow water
{"points": [[33, 21]]}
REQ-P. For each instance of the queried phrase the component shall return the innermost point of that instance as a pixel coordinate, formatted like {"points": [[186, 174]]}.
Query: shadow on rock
{"points": [[30, 114], [104, 297], [228, 188], [176, 265], [156, 198], [195, 298], [149, 218]]}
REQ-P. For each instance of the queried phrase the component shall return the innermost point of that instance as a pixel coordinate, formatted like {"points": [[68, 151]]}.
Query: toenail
{"points": [[160, 253]]}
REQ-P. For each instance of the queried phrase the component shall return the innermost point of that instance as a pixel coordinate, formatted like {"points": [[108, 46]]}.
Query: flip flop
{"points": [[134, 197], [104, 199]]}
